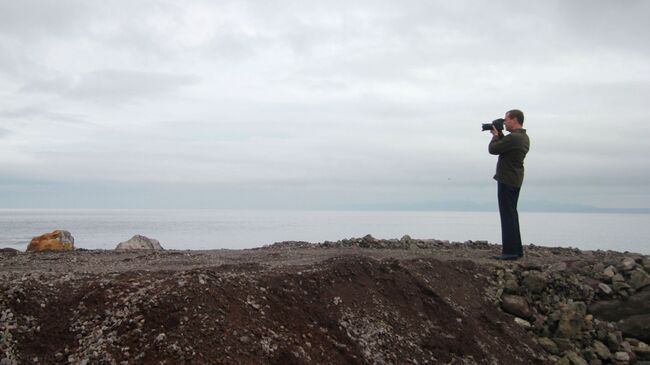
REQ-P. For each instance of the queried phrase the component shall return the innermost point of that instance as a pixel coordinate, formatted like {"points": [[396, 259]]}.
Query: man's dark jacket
{"points": [[512, 150]]}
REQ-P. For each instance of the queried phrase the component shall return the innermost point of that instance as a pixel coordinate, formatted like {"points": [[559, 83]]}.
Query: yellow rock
{"points": [[58, 240]]}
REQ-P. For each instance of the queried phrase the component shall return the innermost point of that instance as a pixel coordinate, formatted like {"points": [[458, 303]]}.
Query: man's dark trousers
{"points": [[510, 235]]}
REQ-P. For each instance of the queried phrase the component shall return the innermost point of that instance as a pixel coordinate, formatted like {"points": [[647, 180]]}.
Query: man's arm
{"points": [[499, 144]]}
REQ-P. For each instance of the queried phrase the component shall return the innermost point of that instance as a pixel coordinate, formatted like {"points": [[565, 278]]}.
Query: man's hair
{"points": [[516, 113]]}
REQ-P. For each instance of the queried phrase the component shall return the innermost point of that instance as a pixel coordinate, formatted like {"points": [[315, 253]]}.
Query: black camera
{"points": [[497, 123]]}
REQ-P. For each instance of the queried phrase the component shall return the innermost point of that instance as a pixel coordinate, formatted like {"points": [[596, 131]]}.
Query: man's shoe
{"points": [[505, 256]]}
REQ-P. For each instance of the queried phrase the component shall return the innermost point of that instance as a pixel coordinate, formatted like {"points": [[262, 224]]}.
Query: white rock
{"points": [[522, 322], [139, 242], [610, 271], [622, 356], [628, 263], [605, 288]]}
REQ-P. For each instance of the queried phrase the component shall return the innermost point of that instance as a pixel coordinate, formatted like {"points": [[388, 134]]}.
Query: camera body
{"points": [[497, 123]]}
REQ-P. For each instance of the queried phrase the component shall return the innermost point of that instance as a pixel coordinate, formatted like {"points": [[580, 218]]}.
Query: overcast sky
{"points": [[319, 104]]}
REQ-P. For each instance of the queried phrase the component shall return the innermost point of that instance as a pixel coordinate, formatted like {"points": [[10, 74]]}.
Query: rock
{"points": [[610, 271], [548, 345], [620, 286], [511, 286], [516, 305], [637, 326], [557, 267], [618, 278], [575, 359], [58, 240], [563, 344], [613, 340], [642, 351], [628, 264], [598, 267], [9, 252], [562, 361], [605, 288], [622, 356], [639, 279], [616, 310], [571, 320], [523, 323], [589, 355], [602, 351], [645, 262], [368, 241], [139, 242], [535, 282]]}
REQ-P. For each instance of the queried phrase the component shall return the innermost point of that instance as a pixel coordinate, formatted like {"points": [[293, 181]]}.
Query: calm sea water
{"points": [[215, 229]]}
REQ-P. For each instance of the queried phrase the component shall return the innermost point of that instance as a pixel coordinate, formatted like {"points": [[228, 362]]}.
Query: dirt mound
{"points": [[343, 310]]}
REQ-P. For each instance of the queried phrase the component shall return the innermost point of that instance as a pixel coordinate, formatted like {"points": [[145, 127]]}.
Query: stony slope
{"points": [[358, 301]]}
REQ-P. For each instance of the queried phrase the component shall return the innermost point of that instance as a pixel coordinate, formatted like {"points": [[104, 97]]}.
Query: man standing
{"points": [[512, 150]]}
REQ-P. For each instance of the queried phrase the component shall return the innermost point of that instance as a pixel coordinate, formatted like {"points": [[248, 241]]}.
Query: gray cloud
{"points": [[113, 85], [120, 85], [366, 101]]}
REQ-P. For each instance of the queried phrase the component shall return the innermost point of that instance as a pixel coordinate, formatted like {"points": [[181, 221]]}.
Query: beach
{"points": [[353, 301]]}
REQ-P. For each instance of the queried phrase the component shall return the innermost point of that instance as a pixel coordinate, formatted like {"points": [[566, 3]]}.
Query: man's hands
{"points": [[495, 132]]}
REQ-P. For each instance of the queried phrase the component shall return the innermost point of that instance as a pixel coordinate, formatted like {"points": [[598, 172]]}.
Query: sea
{"points": [[205, 229]]}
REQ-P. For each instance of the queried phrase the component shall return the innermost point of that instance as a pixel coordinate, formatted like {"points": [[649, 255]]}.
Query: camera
{"points": [[497, 123]]}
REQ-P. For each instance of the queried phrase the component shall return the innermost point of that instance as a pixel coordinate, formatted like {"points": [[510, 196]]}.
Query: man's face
{"points": [[510, 123]]}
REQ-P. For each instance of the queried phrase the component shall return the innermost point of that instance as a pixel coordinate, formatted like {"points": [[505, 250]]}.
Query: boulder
{"points": [[8, 251], [563, 344], [645, 262], [139, 242], [609, 272], [613, 340], [639, 279], [622, 356], [548, 345], [58, 240], [510, 286], [523, 323], [602, 351], [620, 286], [605, 288], [618, 278], [368, 241], [628, 264], [642, 351], [615, 310], [571, 320], [637, 326], [516, 305], [535, 282], [575, 359], [557, 267]]}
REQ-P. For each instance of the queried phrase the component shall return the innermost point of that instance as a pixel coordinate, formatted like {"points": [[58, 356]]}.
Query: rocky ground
{"points": [[356, 301]]}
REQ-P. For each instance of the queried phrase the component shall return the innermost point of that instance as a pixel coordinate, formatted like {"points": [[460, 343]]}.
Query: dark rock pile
{"points": [[586, 311], [368, 241]]}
